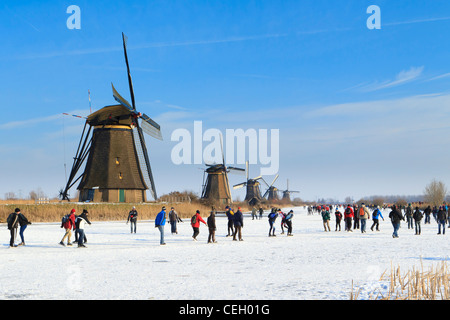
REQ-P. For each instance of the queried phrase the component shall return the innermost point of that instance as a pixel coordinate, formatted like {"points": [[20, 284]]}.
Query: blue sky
{"points": [[360, 112]]}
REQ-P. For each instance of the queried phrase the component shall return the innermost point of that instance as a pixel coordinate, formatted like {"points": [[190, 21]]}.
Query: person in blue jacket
{"points": [[375, 216], [238, 221], [272, 217], [160, 221], [289, 217]]}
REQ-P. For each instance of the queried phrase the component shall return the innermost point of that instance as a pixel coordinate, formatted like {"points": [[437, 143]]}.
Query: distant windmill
{"points": [[253, 195], [216, 187], [117, 168], [287, 192], [272, 191]]}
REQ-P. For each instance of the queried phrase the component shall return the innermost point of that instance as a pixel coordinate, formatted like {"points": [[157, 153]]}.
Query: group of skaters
{"points": [[353, 216], [356, 217]]}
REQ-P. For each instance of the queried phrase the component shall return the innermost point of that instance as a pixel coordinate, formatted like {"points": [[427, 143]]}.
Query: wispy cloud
{"points": [[442, 76], [404, 76], [416, 21]]}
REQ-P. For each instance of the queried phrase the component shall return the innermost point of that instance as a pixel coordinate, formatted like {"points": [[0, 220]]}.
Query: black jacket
{"points": [[13, 221], [211, 221], [418, 215], [23, 221], [238, 219], [396, 215], [442, 215]]}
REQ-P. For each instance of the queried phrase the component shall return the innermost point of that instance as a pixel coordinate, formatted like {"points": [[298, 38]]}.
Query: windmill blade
{"points": [[120, 99], [257, 178], [266, 193], [246, 170], [276, 177], [130, 83], [240, 185], [151, 130], [236, 170], [264, 182], [221, 149], [144, 161]]}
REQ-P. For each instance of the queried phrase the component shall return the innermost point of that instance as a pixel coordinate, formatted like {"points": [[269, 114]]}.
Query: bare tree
{"points": [[435, 192]]}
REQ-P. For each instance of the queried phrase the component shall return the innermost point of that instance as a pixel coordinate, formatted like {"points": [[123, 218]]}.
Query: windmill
{"points": [[287, 192], [272, 191], [117, 167], [216, 187], [253, 195]]}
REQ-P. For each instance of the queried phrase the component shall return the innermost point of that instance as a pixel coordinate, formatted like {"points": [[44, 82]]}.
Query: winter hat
{"points": [[72, 211], [85, 211], [17, 210], [164, 208], [198, 211]]}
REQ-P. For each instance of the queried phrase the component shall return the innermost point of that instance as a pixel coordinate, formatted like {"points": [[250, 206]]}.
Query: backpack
{"points": [[65, 219], [361, 211], [194, 219]]}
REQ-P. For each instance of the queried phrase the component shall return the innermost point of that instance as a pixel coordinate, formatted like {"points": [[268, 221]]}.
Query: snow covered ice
{"points": [[117, 264]]}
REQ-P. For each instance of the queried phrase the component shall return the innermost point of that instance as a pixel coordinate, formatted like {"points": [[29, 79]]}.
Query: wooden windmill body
{"points": [[272, 191], [216, 187], [117, 167], [253, 192], [287, 192]]}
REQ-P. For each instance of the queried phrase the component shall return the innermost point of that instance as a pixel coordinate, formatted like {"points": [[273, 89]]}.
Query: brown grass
{"points": [[415, 284], [53, 212]]}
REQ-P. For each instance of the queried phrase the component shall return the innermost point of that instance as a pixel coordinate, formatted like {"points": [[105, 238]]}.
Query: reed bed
{"points": [[414, 284], [53, 212]]}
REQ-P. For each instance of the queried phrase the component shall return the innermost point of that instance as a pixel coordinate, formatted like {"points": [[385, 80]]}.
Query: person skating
{"points": [[409, 216], [195, 223], [338, 216], [132, 218], [289, 217], [81, 221], [238, 221], [23, 223], [211, 222], [348, 216], [13, 224], [68, 225], [326, 218], [160, 222], [355, 217], [261, 212], [230, 213], [283, 220], [395, 216], [376, 218], [173, 220], [427, 213], [363, 214], [417, 216], [441, 219], [272, 217]]}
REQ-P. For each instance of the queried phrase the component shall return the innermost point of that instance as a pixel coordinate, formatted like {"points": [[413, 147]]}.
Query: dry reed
{"points": [[414, 284]]}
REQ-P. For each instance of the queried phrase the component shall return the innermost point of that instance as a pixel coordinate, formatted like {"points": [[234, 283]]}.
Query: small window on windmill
{"points": [[117, 161], [120, 176]]}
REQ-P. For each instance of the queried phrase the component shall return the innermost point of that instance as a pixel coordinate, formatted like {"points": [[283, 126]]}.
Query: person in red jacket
{"points": [[68, 225], [348, 216], [195, 223]]}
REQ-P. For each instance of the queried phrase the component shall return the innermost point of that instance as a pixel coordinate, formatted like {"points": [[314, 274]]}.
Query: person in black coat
{"points": [[238, 222], [396, 217], [13, 223], [211, 222], [441, 219], [417, 216]]}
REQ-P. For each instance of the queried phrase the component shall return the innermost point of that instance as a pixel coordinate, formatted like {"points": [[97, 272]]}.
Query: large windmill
{"points": [[287, 192], [216, 187], [253, 195], [117, 168], [272, 191]]}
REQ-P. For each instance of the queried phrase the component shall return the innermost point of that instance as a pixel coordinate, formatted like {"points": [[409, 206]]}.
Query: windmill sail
{"points": [[144, 162]]}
